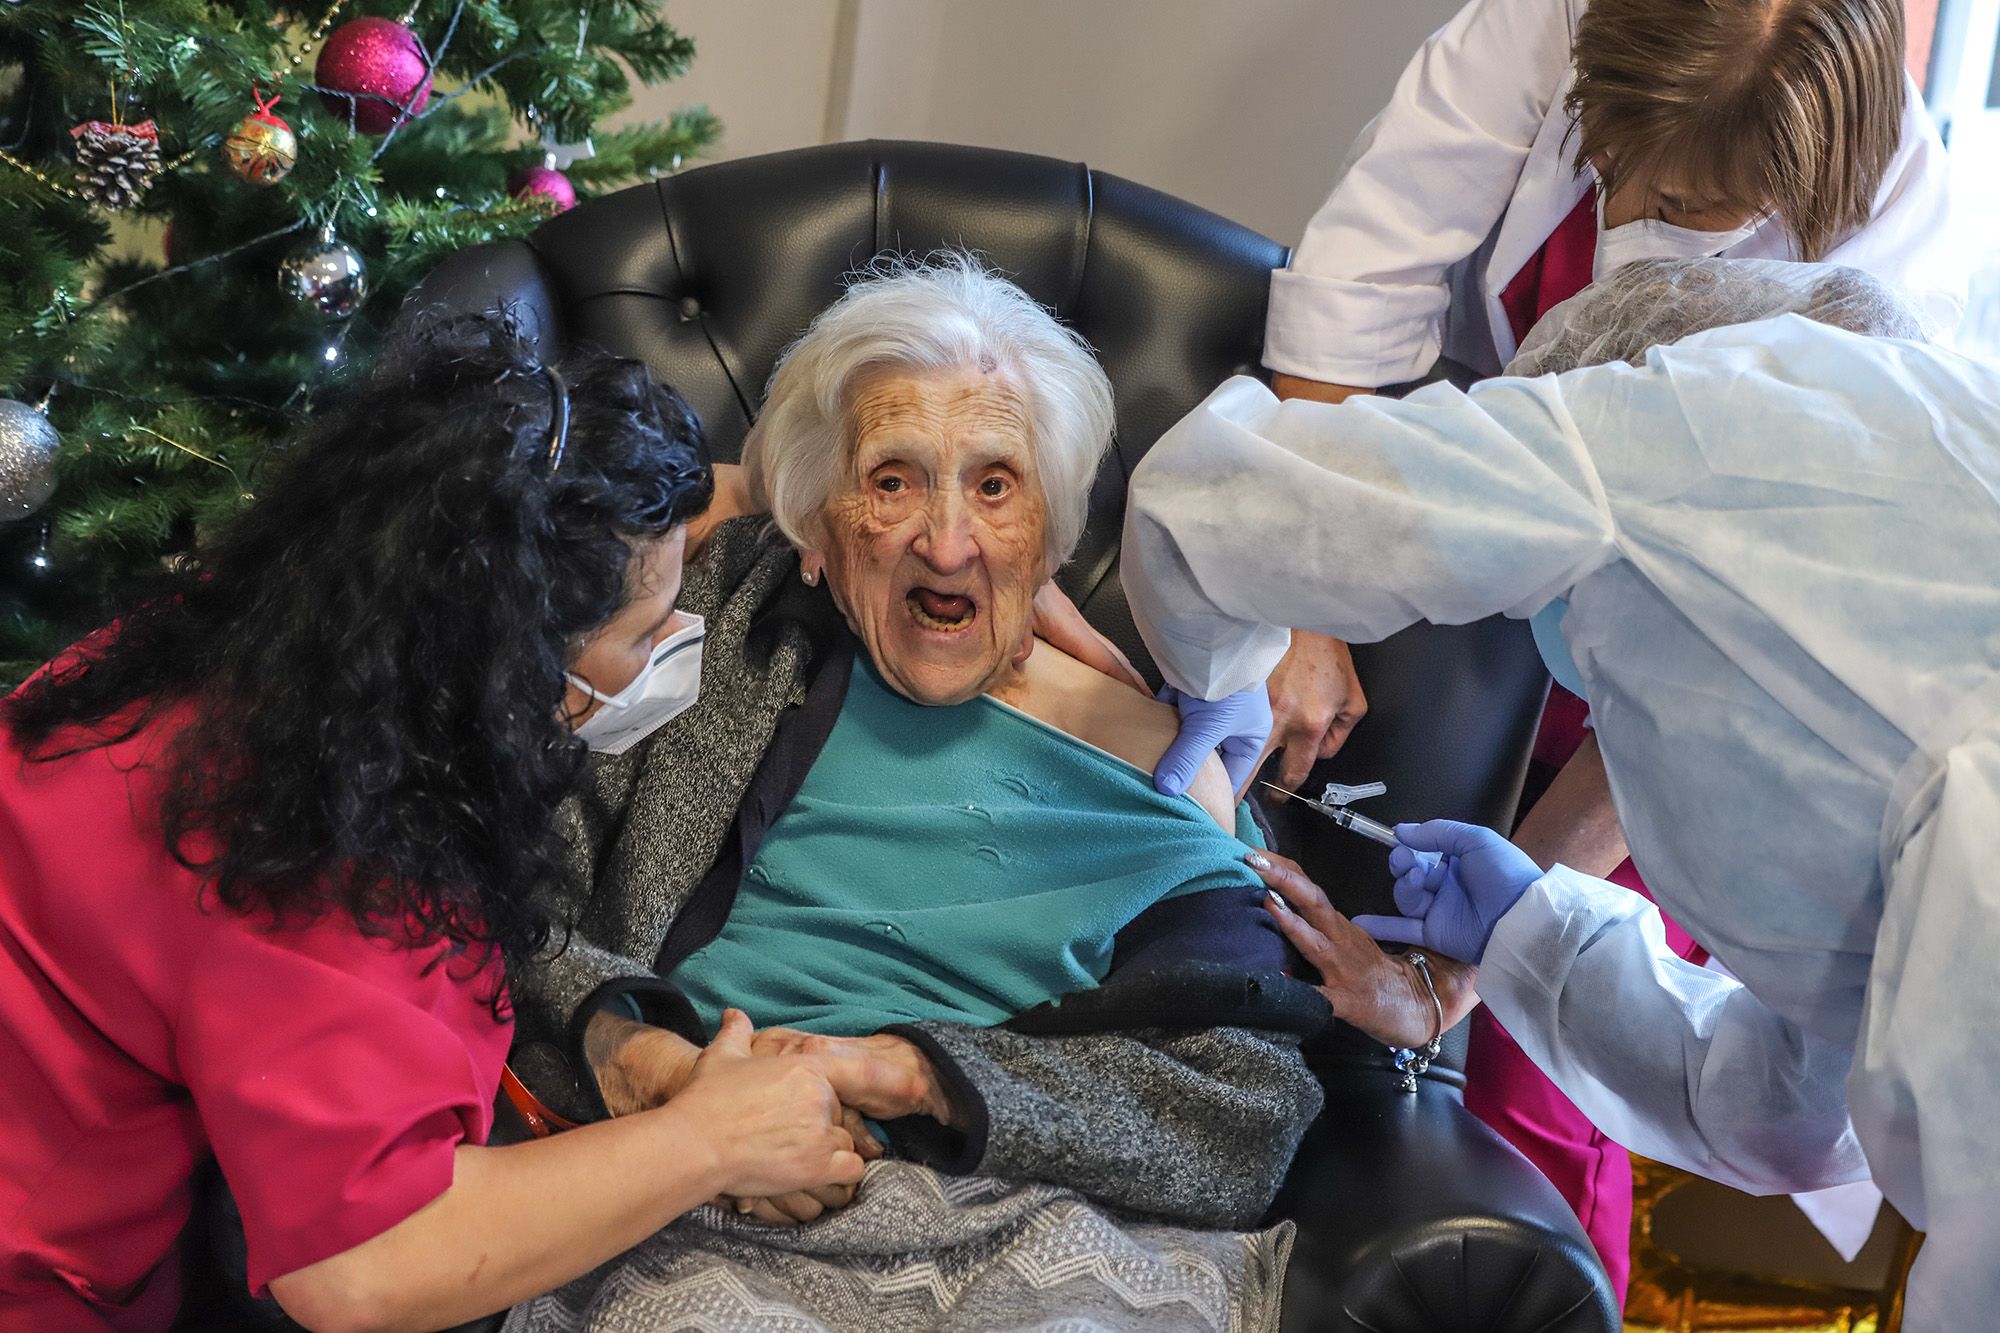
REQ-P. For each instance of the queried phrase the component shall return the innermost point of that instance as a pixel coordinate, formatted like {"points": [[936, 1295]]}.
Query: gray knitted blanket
{"points": [[922, 1251]]}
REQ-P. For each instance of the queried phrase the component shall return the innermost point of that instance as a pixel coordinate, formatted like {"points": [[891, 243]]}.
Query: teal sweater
{"points": [[950, 864]]}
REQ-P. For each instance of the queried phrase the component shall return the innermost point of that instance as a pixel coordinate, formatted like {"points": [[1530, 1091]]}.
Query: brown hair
{"points": [[1790, 106]]}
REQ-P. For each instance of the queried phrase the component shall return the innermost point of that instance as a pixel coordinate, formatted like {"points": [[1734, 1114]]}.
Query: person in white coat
{"points": [[1533, 144], [1702, 120], [1529, 146], [1778, 542]]}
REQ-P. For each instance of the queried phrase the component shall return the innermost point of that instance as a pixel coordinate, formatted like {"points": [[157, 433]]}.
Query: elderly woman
{"points": [[950, 854]]}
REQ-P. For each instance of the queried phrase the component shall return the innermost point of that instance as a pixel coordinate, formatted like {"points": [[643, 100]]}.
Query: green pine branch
{"points": [[633, 152]]}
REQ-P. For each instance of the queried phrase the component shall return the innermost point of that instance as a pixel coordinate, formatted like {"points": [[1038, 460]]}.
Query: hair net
{"points": [[1657, 301]]}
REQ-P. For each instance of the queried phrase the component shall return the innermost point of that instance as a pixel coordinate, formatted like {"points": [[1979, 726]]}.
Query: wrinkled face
{"points": [[933, 544]]}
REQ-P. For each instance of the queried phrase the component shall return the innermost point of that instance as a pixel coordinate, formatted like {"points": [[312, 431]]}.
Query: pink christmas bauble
{"points": [[545, 181], [376, 59]]}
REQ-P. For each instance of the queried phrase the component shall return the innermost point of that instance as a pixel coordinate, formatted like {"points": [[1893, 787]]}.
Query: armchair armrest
{"points": [[1413, 1215]]}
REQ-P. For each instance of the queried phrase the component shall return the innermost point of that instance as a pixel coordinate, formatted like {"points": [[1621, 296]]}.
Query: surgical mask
{"points": [[665, 687], [1547, 625], [1650, 238]]}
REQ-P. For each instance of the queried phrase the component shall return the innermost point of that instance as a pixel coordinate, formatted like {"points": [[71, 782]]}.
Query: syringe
{"points": [[1351, 820]]}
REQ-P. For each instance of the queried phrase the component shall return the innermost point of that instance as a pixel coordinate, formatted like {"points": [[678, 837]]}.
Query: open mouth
{"points": [[944, 612]]}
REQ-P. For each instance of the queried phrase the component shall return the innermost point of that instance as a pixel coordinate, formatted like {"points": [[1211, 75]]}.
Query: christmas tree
{"points": [[209, 210]]}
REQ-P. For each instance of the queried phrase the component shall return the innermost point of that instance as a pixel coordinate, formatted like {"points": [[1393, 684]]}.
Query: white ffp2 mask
{"points": [[665, 687], [1650, 238]]}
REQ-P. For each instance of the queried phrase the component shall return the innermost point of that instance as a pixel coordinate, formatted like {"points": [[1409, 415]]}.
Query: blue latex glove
{"points": [[1453, 884], [1237, 725]]}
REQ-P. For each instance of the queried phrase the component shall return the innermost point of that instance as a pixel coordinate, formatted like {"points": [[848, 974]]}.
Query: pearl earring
{"points": [[810, 576]]}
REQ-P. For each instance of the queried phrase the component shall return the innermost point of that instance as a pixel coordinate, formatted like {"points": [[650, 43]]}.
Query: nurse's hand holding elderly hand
{"points": [[880, 1077], [771, 1125], [884, 1077], [1376, 992], [639, 1067]]}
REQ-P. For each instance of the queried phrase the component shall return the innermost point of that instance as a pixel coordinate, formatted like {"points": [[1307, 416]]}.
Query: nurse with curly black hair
{"points": [[270, 840]]}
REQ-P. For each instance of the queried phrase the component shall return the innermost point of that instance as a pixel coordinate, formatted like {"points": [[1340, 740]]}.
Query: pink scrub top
{"points": [[332, 1075]]}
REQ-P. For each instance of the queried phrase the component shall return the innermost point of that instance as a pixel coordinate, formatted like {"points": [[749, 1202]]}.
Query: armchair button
{"points": [[690, 307]]}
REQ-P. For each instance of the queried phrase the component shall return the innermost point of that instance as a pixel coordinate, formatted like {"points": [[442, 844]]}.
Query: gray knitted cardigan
{"points": [[1194, 1123]]}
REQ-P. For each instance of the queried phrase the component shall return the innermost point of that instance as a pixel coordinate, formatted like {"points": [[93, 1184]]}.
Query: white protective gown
{"points": [[1781, 548], [1459, 180]]}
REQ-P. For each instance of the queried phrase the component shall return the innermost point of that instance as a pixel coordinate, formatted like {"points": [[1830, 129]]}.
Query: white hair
{"points": [[946, 313]]}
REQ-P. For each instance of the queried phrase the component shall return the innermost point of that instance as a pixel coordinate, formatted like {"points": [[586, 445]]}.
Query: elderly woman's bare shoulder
{"points": [[1109, 714]]}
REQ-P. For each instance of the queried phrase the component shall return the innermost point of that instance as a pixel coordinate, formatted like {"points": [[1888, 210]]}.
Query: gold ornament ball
{"points": [[261, 149]]}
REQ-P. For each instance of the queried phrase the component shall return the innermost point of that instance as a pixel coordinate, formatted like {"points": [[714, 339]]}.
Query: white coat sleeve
{"points": [[1424, 183], [1676, 1062], [1916, 240], [1251, 517], [1926, 1077]]}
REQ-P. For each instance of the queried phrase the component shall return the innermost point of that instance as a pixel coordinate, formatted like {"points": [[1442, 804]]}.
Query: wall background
{"points": [[1245, 108]]}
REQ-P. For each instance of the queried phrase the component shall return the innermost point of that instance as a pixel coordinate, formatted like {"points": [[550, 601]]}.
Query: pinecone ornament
{"points": [[118, 161]]}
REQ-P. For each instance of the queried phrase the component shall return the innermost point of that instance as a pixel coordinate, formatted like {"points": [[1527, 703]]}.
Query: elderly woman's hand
{"points": [[1371, 990], [637, 1066], [806, 1205], [882, 1077], [877, 1077]]}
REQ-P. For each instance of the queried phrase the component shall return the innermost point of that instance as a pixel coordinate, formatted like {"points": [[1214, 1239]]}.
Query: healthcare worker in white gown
{"points": [[1529, 143], [1458, 183], [1780, 545]]}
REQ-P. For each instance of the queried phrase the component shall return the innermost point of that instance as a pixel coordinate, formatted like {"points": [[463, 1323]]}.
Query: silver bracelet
{"points": [[1410, 1064]]}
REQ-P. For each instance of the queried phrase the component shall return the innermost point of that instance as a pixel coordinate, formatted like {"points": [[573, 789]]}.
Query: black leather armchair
{"points": [[1412, 1214]]}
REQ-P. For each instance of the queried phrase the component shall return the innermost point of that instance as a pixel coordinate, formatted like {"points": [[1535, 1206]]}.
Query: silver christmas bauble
{"points": [[327, 272], [27, 459]]}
